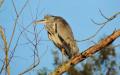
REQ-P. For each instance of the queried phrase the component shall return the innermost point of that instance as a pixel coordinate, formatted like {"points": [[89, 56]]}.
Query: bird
{"points": [[60, 32]]}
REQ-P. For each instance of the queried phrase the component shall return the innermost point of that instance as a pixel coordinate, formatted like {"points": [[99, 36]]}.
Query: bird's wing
{"points": [[64, 31]]}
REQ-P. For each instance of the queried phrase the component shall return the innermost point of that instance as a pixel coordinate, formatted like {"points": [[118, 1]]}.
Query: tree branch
{"points": [[7, 66], [108, 19], [87, 53]]}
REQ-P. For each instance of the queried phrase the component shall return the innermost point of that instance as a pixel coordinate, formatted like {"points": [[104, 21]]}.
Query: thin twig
{"points": [[34, 44], [92, 35], [102, 25], [16, 20], [107, 19], [35, 63], [2, 67], [15, 8], [103, 15]]}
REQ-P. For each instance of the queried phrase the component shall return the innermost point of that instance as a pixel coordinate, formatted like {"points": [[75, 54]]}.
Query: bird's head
{"points": [[47, 19]]}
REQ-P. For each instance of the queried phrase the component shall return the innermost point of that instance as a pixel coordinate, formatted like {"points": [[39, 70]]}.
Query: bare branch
{"points": [[15, 23], [36, 62], [107, 19], [103, 24], [34, 43], [87, 53], [31, 67], [15, 8], [92, 35], [2, 67], [103, 15], [13, 51], [7, 66]]}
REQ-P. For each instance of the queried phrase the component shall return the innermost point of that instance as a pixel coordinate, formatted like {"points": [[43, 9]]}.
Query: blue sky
{"points": [[76, 12]]}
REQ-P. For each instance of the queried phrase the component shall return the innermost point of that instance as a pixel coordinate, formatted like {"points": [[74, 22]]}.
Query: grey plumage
{"points": [[61, 34]]}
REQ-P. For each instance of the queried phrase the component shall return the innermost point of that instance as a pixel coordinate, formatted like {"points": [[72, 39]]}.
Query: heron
{"points": [[60, 32]]}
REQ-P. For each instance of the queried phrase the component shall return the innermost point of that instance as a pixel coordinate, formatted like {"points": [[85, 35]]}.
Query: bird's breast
{"points": [[55, 39]]}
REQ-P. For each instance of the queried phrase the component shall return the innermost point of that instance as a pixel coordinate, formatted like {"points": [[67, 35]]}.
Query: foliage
{"points": [[102, 63], [42, 71]]}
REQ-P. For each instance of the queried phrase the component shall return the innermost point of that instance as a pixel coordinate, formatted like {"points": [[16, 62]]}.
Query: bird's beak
{"points": [[39, 22]]}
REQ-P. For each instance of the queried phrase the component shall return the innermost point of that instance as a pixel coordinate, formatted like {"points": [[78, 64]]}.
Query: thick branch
{"points": [[90, 51]]}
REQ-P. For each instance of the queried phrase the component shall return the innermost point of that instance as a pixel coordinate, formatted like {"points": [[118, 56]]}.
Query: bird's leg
{"points": [[63, 50]]}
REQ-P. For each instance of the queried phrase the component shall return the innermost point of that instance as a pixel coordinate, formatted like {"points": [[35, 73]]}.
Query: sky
{"points": [[78, 13]]}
